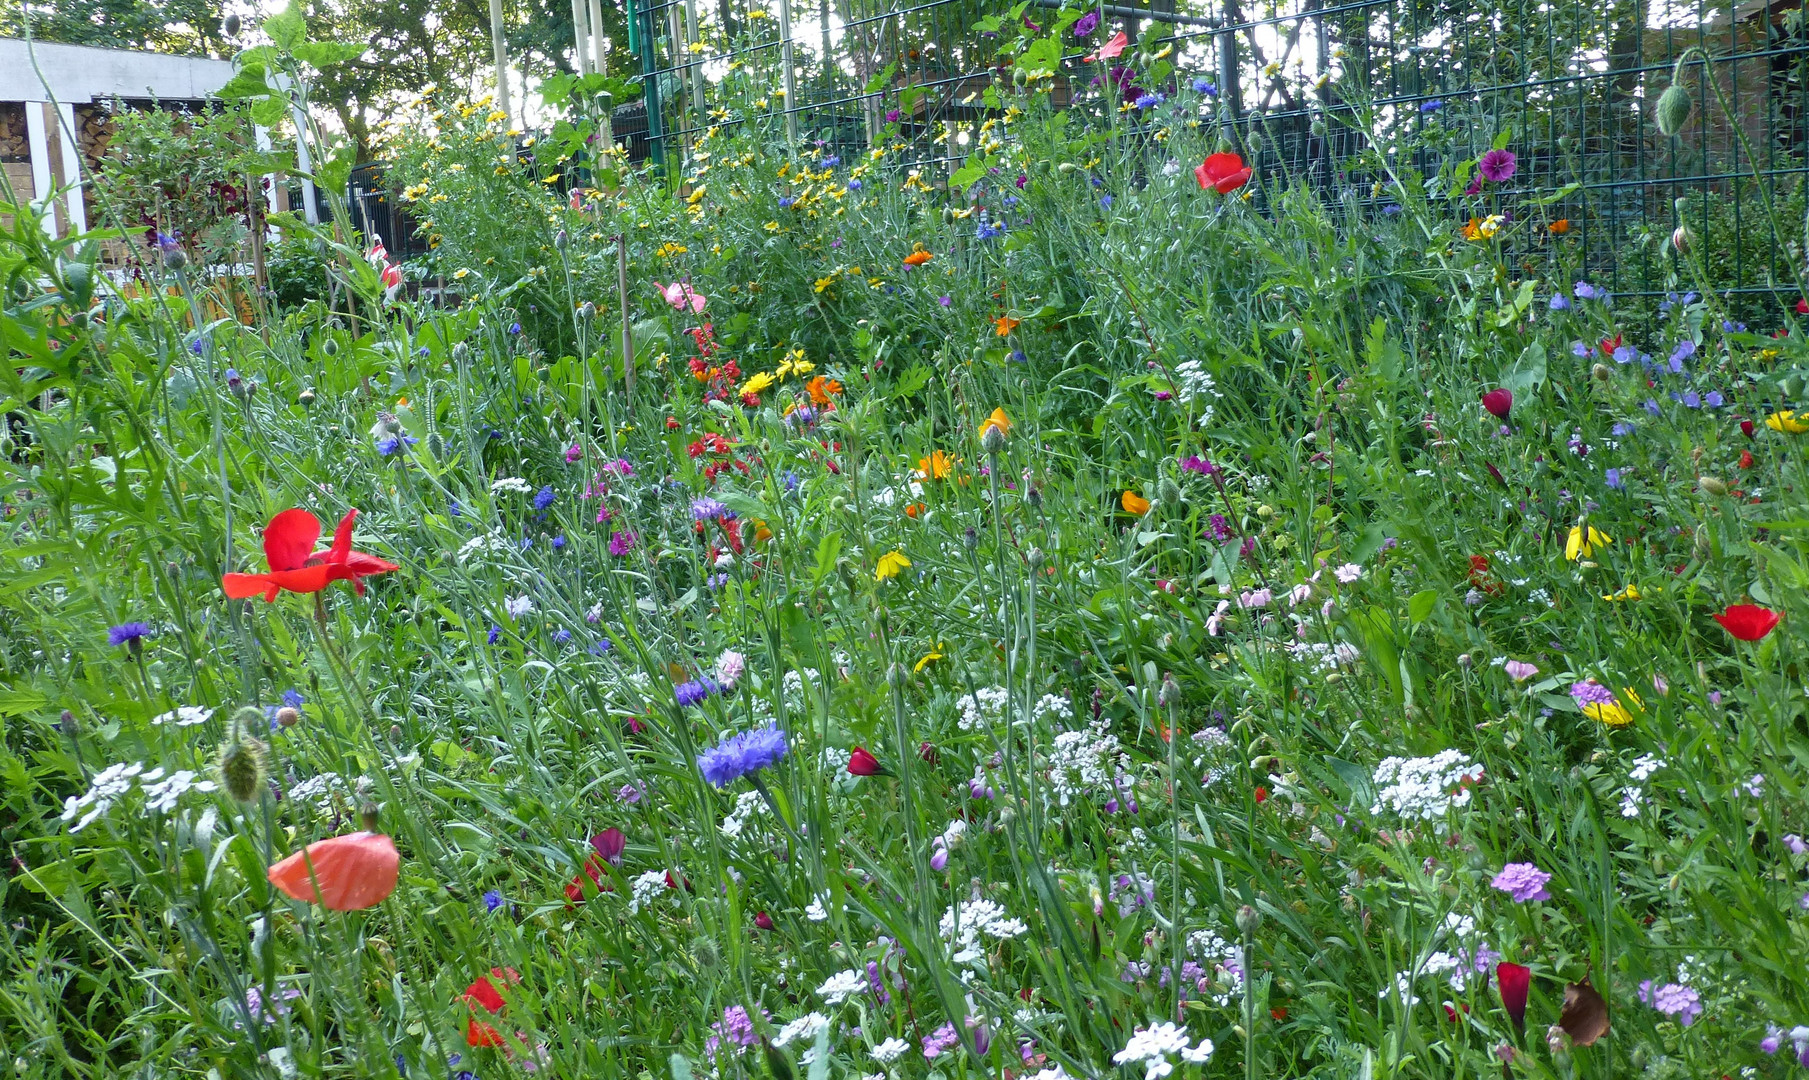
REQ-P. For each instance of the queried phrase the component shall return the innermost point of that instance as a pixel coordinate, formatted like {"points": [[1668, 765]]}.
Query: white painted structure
{"points": [[52, 79]]}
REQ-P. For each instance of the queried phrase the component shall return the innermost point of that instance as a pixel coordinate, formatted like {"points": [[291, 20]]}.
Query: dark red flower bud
{"points": [[1746, 428], [1499, 401], [763, 920], [929, 754], [861, 763], [1514, 980]]}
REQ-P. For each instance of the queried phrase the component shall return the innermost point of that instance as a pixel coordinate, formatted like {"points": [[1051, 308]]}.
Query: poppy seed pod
{"points": [[1674, 108]]}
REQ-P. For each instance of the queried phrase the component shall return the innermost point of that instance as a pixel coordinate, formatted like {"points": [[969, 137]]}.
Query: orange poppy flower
{"points": [[820, 388], [483, 994], [999, 420], [915, 510], [935, 467], [1473, 229], [1006, 324], [1559, 227], [918, 257], [354, 872], [296, 567], [1134, 503]]}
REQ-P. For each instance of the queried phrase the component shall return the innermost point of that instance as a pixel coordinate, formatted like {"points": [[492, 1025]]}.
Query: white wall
{"points": [[79, 74]]}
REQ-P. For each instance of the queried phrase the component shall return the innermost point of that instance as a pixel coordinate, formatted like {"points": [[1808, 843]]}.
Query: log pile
{"points": [[13, 143]]}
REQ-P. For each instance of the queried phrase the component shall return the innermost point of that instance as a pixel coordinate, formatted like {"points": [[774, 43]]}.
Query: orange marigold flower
{"points": [[1559, 227], [821, 388], [1006, 324], [918, 257]]}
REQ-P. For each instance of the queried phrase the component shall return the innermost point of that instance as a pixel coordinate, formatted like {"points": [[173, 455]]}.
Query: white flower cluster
{"points": [[805, 1027], [184, 716], [1152, 1046], [1082, 761], [1633, 796], [646, 890], [983, 708], [511, 483], [889, 1051], [841, 986], [963, 924], [747, 804], [791, 687], [1213, 763], [1424, 788], [1193, 386], [1326, 656], [115, 782], [322, 791], [484, 544], [835, 760]]}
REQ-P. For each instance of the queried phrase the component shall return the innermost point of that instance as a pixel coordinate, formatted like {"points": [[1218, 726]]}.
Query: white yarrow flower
{"points": [[841, 986]]}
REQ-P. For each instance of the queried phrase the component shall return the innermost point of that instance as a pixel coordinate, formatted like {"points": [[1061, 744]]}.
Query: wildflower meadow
{"points": [[1101, 608]]}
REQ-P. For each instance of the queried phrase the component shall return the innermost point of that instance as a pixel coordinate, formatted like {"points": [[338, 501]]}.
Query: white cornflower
{"points": [[890, 1050], [841, 986], [730, 666], [518, 606], [184, 716]]}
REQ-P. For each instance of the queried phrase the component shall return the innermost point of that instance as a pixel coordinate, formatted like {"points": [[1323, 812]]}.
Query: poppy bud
{"points": [[305, 398], [1255, 141], [1067, 167], [1168, 491], [1601, 372], [1712, 485], [1034, 558], [1674, 108], [1680, 239], [1248, 919], [862, 763], [1513, 981], [329, 347], [763, 920], [897, 675], [242, 760], [1465, 661], [461, 352], [232, 26], [1499, 401]]}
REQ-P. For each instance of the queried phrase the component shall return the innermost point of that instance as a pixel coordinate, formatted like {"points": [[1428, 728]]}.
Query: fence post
{"points": [[501, 49], [650, 87], [1230, 92], [580, 38], [787, 76]]}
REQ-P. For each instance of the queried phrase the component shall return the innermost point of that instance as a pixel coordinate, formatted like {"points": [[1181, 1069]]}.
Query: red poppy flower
{"points": [[1748, 622], [1802, 307], [1223, 173], [1262, 793], [353, 872], [483, 993], [1746, 461], [478, 1033], [1608, 345], [1499, 401], [296, 567], [861, 763], [1513, 980]]}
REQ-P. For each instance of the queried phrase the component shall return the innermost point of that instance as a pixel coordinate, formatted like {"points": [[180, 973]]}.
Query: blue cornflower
{"points": [[130, 633], [790, 480], [716, 581], [987, 230], [544, 497], [1560, 302], [390, 444], [293, 698], [1150, 100], [708, 509], [422, 351], [561, 636], [453, 508], [1105, 202], [742, 755], [1017, 356], [602, 647], [1621, 430], [1204, 86], [558, 542], [831, 161], [1732, 327], [514, 328], [1009, 201], [1392, 210], [1431, 106], [1613, 476], [495, 634], [854, 185], [694, 692], [785, 203], [527, 542]]}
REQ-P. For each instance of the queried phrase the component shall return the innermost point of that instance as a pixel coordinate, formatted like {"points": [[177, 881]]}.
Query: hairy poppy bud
{"points": [[306, 397], [1602, 372], [1674, 108], [242, 758], [1248, 919], [329, 347], [1713, 486], [1168, 491]]}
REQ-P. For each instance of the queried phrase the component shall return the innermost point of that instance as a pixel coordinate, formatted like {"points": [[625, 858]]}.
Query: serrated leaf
{"points": [[286, 29]]}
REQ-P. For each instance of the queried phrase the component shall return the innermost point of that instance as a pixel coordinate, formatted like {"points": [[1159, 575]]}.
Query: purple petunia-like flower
{"points": [[128, 633], [1497, 165], [1522, 881], [1589, 692], [1086, 24], [742, 755]]}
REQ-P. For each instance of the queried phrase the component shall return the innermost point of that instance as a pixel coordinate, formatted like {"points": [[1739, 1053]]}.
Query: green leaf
{"points": [[287, 29], [914, 379], [881, 79], [1041, 57], [828, 550], [268, 111], [968, 175], [250, 82], [1527, 373], [819, 1058], [681, 1067], [321, 55], [1419, 608]]}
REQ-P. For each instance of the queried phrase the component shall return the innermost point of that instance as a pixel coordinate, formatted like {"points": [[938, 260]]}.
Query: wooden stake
{"points": [[627, 326]]}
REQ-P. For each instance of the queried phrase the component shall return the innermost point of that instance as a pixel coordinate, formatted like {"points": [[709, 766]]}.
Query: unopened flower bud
{"points": [[1169, 693], [897, 675], [1712, 485], [288, 716], [1265, 511], [561, 241], [1248, 919], [306, 398], [994, 439], [1465, 661], [587, 311], [1680, 239], [232, 26], [1168, 491], [1674, 108], [1034, 558], [1601, 372], [242, 758], [175, 258], [971, 538], [367, 810], [330, 347]]}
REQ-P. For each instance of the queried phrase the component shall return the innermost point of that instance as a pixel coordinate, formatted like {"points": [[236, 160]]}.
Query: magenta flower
{"points": [[621, 542], [1497, 166], [1523, 882]]}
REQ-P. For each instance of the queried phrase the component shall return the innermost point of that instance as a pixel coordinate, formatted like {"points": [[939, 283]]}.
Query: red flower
{"points": [[483, 993], [610, 843], [481, 1034], [763, 920], [1608, 345], [353, 872], [1746, 459], [1262, 793], [296, 567], [929, 754], [1748, 622], [1499, 401], [1513, 980], [1802, 307], [861, 763], [1746, 428], [1224, 173]]}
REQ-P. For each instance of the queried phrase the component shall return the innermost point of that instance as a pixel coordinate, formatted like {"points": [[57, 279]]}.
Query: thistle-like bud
{"points": [[971, 539], [1713, 485], [1465, 661], [897, 676], [367, 810], [1248, 919], [175, 259], [1168, 491], [993, 440], [587, 311], [1674, 108], [561, 241], [1169, 693], [461, 352]]}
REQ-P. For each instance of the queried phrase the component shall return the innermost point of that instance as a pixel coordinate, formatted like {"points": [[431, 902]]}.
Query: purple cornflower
{"points": [[742, 755], [695, 691], [1522, 881], [544, 497], [708, 509], [494, 635], [130, 634], [621, 542], [1086, 24], [946, 301], [1585, 291], [1674, 1000], [1497, 165], [1589, 692], [492, 900], [1613, 477]]}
